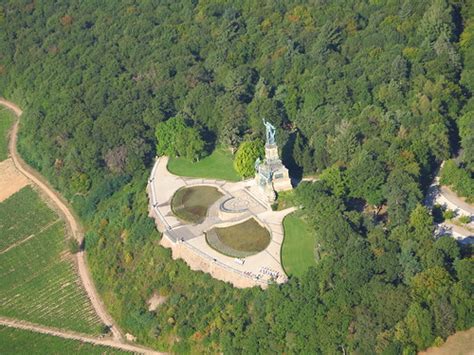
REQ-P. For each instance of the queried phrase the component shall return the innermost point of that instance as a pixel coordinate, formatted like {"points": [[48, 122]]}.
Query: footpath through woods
{"points": [[74, 227]]}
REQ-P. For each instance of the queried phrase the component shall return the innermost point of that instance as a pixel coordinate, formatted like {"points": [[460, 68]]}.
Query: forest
{"points": [[370, 95]]}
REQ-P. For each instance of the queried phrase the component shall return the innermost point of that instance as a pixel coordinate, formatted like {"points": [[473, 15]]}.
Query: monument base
{"points": [[271, 175], [271, 152], [270, 193], [282, 185]]}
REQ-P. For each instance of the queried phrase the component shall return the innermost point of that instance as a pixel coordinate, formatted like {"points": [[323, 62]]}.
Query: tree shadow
{"points": [[295, 171]]}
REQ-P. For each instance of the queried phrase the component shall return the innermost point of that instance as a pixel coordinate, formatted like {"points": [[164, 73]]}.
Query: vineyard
{"points": [[39, 283], [6, 119], [18, 222], [17, 341]]}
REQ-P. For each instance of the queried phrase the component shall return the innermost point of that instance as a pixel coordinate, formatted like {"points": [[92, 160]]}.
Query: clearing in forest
{"points": [[298, 246], [218, 165], [39, 283]]}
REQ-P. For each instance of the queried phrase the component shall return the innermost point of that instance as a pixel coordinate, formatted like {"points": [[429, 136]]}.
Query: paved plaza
{"points": [[241, 200]]}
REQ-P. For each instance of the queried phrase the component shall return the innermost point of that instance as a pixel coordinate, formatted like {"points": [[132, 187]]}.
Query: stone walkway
{"points": [[188, 241]]}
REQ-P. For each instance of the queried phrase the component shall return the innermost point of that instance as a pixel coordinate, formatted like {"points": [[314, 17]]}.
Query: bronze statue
{"points": [[269, 132]]}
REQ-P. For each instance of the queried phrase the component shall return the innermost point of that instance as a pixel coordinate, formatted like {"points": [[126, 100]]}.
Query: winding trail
{"points": [[11, 106], [74, 227]]}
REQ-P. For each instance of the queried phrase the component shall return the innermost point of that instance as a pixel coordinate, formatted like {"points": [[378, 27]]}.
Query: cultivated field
{"points": [[18, 341], [218, 165], [6, 120], [17, 221], [11, 181], [39, 283]]}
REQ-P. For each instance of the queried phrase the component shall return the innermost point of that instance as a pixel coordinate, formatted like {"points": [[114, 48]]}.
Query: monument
{"points": [[271, 175]]}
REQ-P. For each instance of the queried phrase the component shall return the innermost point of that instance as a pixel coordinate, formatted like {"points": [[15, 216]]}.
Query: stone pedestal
{"points": [[272, 175], [271, 152]]}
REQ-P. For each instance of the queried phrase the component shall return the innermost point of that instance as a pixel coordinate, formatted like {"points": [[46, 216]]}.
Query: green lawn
{"points": [[38, 280], [191, 203], [6, 120], [239, 240], [298, 246], [19, 341], [218, 165]]}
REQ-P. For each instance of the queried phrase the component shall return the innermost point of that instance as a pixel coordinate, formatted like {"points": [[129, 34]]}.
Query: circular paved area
{"points": [[234, 204]]}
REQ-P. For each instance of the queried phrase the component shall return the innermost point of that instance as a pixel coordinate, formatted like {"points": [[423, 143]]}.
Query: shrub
{"points": [[449, 214], [73, 245], [247, 154], [458, 178]]}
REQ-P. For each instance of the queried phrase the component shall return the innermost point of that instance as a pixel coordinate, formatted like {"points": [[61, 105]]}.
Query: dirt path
{"points": [[73, 224], [13, 323], [10, 105]]}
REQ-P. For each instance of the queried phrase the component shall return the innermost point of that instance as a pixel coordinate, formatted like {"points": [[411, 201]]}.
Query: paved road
{"points": [[73, 225], [443, 195], [455, 200], [14, 323]]}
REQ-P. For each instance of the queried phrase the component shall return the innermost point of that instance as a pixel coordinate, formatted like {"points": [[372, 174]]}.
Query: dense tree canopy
{"points": [[370, 95], [175, 138]]}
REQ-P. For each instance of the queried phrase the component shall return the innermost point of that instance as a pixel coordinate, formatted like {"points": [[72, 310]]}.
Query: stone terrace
{"points": [[188, 241]]}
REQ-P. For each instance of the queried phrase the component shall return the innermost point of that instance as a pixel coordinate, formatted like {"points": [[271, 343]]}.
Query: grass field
{"points": [[6, 120], [38, 280], [218, 165], [298, 246], [191, 203], [239, 240], [19, 341]]}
